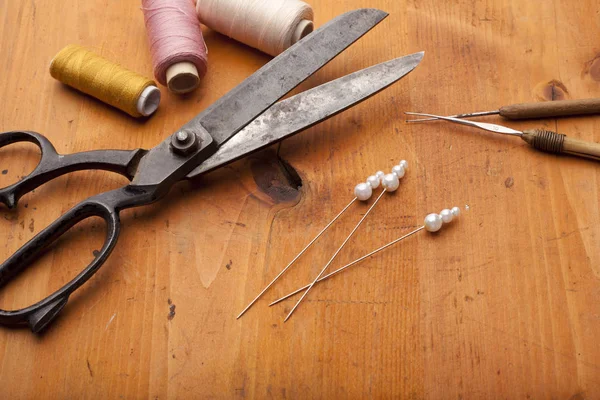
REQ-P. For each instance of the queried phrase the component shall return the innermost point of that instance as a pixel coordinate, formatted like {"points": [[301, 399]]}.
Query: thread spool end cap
{"points": [[182, 77], [303, 28], [148, 101]]}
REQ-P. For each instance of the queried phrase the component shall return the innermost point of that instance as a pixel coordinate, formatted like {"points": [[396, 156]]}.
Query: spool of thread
{"points": [[105, 80], [178, 50], [268, 25]]}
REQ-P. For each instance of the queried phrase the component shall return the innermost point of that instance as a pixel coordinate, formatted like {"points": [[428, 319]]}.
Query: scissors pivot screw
{"points": [[184, 142]]}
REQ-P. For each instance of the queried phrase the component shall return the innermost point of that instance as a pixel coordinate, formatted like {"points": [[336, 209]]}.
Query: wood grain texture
{"points": [[582, 148], [547, 109], [504, 303]]}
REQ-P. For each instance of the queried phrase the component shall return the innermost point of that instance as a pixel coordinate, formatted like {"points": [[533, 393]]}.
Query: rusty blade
{"points": [[308, 108], [228, 115]]}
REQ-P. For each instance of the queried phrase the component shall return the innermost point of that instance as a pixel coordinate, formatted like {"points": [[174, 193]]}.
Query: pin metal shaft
{"points": [[335, 255], [337, 271], [296, 258]]}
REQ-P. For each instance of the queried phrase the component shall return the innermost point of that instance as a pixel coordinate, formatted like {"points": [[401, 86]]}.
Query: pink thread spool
{"points": [[178, 50]]}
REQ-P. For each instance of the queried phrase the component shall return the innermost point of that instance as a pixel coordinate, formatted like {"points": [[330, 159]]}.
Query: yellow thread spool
{"points": [[109, 82]]}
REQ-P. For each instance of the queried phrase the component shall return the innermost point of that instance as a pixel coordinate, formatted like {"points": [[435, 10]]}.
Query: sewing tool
{"points": [[362, 192], [105, 80], [390, 183], [544, 109], [541, 139], [270, 26], [246, 119], [432, 223], [178, 50]]}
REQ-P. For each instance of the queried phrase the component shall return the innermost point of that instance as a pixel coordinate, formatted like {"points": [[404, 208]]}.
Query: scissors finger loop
{"points": [[40, 314], [53, 165]]}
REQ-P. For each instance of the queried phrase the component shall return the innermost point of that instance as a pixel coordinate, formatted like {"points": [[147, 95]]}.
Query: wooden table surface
{"points": [[503, 303]]}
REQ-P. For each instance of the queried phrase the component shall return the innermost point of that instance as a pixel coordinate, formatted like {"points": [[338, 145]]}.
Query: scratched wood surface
{"points": [[504, 303]]}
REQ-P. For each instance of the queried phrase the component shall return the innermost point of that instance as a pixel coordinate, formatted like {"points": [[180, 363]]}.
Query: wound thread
{"points": [[176, 43], [105, 80], [548, 141], [268, 25]]}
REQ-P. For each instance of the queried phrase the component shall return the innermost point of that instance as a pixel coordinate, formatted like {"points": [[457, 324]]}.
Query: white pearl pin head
{"points": [[363, 191], [390, 182], [374, 181], [446, 215], [433, 222], [398, 170]]}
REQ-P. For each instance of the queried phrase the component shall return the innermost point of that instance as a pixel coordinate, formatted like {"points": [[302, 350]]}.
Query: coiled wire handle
{"points": [[548, 141], [557, 143]]}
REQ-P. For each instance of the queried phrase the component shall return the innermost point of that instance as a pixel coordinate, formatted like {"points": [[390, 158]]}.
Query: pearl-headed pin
{"points": [[362, 192], [390, 183], [433, 222], [438, 218]]}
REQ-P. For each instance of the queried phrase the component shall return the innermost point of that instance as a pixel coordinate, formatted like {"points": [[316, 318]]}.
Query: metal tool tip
{"points": [[421, 114], [432, 117], [247, 307]]}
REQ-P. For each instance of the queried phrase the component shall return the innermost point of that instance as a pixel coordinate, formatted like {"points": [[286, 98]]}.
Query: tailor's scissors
{"points": [[244, 120]]}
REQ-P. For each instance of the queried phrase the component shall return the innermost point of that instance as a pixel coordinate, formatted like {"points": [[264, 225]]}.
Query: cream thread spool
{"points": [[303, 28], [270, 26]]}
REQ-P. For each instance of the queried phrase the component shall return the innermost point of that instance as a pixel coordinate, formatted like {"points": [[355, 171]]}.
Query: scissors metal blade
{"points": [[245, 102], [308, 108]]}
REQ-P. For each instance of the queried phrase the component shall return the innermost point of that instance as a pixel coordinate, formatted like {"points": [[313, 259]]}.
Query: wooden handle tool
{"points": [[541, 139], [542, 109], [552, 142], [545, 109]]}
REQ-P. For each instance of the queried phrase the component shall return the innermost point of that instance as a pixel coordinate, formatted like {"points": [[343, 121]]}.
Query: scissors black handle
{"points": [[106, 206], [152, 173], [53, 165]]}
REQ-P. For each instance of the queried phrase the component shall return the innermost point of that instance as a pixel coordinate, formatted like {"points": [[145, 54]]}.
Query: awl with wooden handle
{"points": [[541, 139], [542, 109]]}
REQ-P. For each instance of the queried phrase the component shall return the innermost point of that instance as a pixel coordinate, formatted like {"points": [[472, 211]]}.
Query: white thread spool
{"points": [[268, 25]]}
